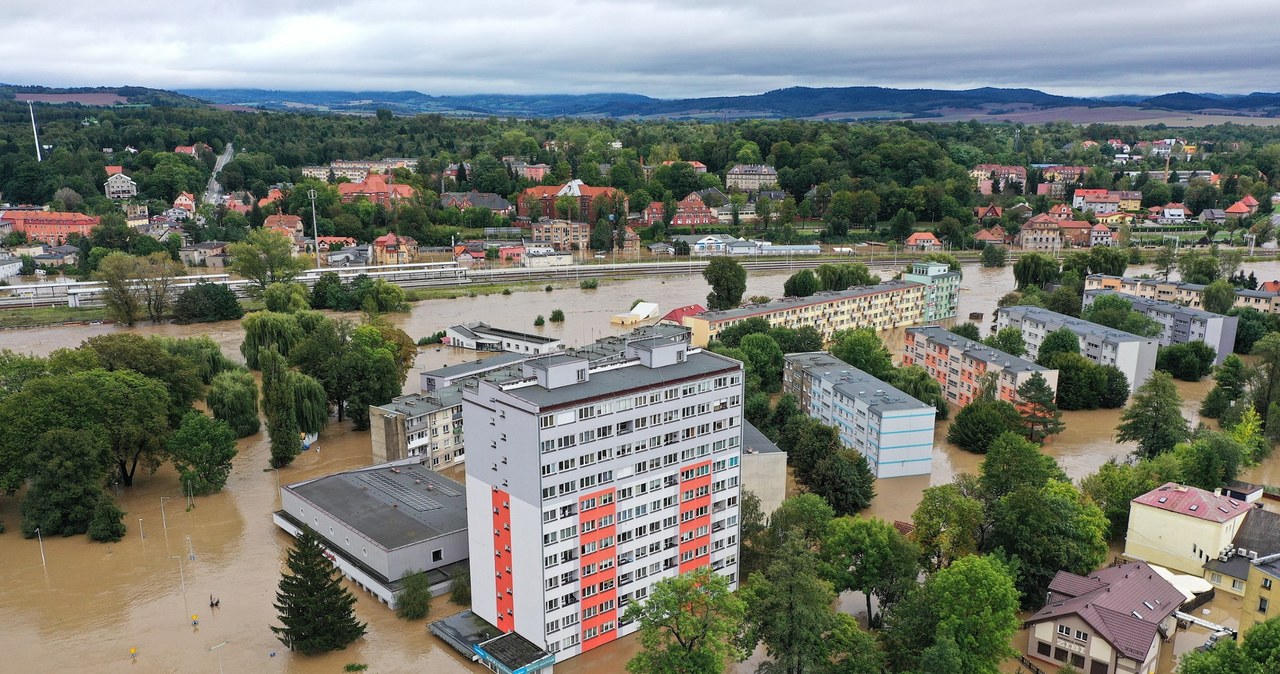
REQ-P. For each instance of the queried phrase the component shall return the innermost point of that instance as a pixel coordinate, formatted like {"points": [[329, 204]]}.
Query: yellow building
{"points": [[1258, 537], [887, 305], [1181, 528], [1186, 294], [1264, 580]]}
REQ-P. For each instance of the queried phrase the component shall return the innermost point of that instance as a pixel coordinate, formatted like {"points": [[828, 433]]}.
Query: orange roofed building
{"points": [[546, 195], [375, 188], [49, 227]]}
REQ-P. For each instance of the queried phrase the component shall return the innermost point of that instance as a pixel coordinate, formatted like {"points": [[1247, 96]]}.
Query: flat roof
{"points": [[632, 376], [1074, 324], [485, 328], [1172, 307], [977, 350], [479, 365], [854, 383], [394, 506], [755, 442], [415, 404], [796, 302]]}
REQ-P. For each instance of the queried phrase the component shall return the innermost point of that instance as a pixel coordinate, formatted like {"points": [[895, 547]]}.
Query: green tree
{"points": [[1196, 267], [1219, 297], [1189, 361], [801, 284], [788, 608], [1114, 486], [969, 330], [202, 449], [265, 257], [764, 358], [207, 302], [316, 612], [1154, 418], [732, 335], [268, 329], [979, 423], [963, 618], [871, 557], [68, 467], [413, 602], [1114, 311], [862, 348], [947, 525], [1040, 415], [1166, 260], [1252, 326], [233, 398], [107, 525], [1048, 529], [557, 316], [805, 516], [687, 625], [1257, 653], [1008, 340], [994, 256], [843, 479], [1080, 382], [728, 281], [460, 588], [280, 406], [1231, 379], [845, 275], [902, 225], [916, 382], [286, 298], [1012, 462], [1059, 341], [1035, 269], [1210, 460], [122, 294]]}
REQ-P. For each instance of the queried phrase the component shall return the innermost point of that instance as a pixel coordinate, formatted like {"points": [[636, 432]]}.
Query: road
{"points": [[213, 191]]}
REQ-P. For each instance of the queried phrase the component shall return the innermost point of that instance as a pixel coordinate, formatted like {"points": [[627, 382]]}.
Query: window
{"points": [[1077, 660], [1064, 630], [1262, 605], [1060, 654], [437, 555], [1237, 585], [1082, 636], [1043, 648], [1266, 583], [1215, 578]]}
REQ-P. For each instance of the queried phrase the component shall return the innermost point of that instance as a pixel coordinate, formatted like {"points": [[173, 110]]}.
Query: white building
{"points": [[1180, 324], [10, 266], [120, 186], [588, 481], [764, 469], [481, 336], [892, 429], [1133, 355]]}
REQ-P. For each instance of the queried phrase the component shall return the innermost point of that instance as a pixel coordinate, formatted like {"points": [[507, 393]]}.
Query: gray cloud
{"points": [[664, 48]]}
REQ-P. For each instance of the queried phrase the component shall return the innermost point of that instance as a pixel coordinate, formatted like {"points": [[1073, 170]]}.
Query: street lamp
{"points": [[182, 578], [218, 648], [315, 228], [163, 520], [40, 537]]}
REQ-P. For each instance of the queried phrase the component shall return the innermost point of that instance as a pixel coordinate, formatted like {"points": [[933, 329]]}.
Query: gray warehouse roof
{"points": [[393, 506]]}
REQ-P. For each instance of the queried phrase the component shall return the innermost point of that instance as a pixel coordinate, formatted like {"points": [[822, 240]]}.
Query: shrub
{"points": [[589, 284], [539, 321], [414, 602], [548, 288], [206, 302], [460, 589], [557, 316], [506, 291]]}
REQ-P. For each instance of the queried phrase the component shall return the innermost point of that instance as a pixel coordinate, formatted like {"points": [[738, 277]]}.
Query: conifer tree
{"points": [[316, 610], [280, 405], [1040, 415]]}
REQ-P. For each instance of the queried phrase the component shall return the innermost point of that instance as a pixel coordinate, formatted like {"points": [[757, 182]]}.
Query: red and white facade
{"points": [[590, 481]]}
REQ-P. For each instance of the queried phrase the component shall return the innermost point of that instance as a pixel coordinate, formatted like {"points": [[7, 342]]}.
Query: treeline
{"points": [[81, 420]]}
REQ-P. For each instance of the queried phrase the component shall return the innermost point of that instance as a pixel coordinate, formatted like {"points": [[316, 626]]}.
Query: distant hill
{"points": [[97, 96]]}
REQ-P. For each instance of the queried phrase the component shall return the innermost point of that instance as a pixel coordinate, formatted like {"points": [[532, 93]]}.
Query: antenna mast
{"points": [[34, 133]]}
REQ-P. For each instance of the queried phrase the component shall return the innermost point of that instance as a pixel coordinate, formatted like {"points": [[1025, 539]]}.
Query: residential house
{"points": [[1021, 210], [988, 212], [1186, 294], [994, 234], [1181, 324], [1261, 583], [58, 256], [1213, 216], [273, 195], [120, 186], [1083, 196], [474, 199], [584, 197], [942, 289], [1101, 235], [1076, 233], [1064, 174], [1181, 527], [1250, 203], [962, 365], [199, 255], [1060, 212], [750, 177], [328, 243], [676, 316], [1101, 205], [1113, 621], [1132, 354], [393, 249], [1238, 210], [289, 225], [10, 266], [698, 167], [1130, 200], [1172, 214], [562, 235], [923, 242], [996, 177], [50, 227], [376, 188], [113, 170], [451, 171], [426, 425], [186, 201], [662, 248], [691, 211], [1040, 233]]}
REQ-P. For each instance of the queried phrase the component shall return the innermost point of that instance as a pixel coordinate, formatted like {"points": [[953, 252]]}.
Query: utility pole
{"points": [[34, 132], [315, 228]]}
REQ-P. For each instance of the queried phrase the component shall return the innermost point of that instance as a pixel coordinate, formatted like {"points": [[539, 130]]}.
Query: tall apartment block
{"points": [[1180, 324], [1133, 355], [892, 429], [1187, 294], [590, 480], [428, 425], [891, 304], [941, 289], [962, 365]]}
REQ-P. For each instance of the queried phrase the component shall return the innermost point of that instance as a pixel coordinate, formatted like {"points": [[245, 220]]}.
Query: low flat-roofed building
{"points": [[1258, 537], [382, 523], [498, 651], [1179, 324], [764, 469], [481, 336]]}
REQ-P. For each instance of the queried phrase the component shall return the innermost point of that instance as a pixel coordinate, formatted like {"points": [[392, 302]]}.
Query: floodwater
{"points": [[89, 604]]}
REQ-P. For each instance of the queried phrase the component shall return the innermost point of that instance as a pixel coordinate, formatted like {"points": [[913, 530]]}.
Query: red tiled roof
{"points": [[1270, 287], [677, 315], [1193, 502], [112, 170], [1238, 207], [1074, 224], [1248, 200], [921, 237]]}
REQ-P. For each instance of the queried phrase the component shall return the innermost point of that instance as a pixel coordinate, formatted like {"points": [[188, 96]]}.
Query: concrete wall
{"points": [[765, 475], [1173, 540]]}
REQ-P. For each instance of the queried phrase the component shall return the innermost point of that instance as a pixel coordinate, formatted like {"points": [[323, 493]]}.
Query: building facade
{"points": [[1180, 324], [750, 177], [120, 186], [963, 366], [941, 289], [888, 305], [562, 235], [426, 425], [48, 227], [890, 428], [1186, 294], [1132, 354], [1180, 527], [588, 481], [1261, 588]]}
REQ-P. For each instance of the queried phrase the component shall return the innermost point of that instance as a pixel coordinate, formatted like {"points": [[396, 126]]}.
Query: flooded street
{"points": [[94, 602]]}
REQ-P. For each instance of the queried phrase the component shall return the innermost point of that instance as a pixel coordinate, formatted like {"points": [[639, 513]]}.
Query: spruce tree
{"points": [[1040, 415], [279, 403], [316, 610]]}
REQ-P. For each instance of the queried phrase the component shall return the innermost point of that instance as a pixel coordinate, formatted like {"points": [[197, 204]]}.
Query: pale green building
{"points": [[942, 289]]}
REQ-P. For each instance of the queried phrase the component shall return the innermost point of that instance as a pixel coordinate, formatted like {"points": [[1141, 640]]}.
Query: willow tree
{"points": [[266, 329], [311, 403], [233, 398], [279, 404], [202, 352]]}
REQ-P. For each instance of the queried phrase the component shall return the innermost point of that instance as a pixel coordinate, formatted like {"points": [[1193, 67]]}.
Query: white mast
{"points": [[34, 132]]}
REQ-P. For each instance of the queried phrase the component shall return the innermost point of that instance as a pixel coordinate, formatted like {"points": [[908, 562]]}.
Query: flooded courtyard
{"points": [[86, 605]]}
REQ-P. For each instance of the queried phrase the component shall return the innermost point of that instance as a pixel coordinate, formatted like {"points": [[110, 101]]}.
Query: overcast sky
{"points": [[662, 48]]}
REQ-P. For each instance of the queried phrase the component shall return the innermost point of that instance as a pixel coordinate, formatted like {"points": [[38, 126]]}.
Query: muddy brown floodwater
{"points": [[91, 603]]}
